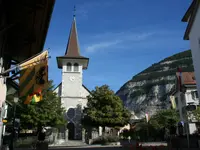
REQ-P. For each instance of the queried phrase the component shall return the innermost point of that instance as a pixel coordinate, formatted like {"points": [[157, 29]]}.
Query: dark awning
{"points": [[23, 27]]}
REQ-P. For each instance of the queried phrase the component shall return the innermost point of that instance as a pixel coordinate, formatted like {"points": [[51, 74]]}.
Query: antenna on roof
{"points": [[74, 15]]}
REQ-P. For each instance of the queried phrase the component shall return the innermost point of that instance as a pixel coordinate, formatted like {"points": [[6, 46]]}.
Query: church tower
{"points": [[72, 92]]}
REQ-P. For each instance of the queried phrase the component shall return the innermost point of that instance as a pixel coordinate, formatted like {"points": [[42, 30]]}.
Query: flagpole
{"points": [[17, 66], [182, 119], [31, 57]]}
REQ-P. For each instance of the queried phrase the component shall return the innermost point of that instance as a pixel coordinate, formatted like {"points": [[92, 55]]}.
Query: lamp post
{"points": [[13, 127]]}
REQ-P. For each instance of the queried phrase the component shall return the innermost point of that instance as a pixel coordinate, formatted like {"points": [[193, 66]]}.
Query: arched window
{"points": [[76, 67], [69, 67]]}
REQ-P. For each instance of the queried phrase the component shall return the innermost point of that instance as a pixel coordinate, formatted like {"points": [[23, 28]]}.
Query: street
{"points": [[98, 147]]}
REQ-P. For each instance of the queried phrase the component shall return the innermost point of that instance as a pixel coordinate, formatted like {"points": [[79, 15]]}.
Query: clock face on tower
{"points": [[72, 78]]}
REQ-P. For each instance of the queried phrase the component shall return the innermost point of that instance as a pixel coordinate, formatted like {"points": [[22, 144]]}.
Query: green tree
{"points": [[47, 112], [104, 108], [164, 121], [196, 114], [159, 123]]}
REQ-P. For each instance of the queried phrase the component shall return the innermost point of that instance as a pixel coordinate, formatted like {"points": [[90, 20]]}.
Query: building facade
{"points": [[192, 33], [186, 99], [72, 91]]}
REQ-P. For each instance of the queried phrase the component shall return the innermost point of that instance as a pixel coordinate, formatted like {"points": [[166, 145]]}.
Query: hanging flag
{"points": [[172, 99], [33, 98], [33, 61], [33, 77]]}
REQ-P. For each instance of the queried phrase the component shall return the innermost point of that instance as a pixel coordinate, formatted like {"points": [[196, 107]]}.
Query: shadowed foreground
{"points": [[112, 148]]}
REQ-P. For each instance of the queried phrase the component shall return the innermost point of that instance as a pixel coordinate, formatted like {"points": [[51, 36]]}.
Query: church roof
{"points": [[82, 86], [72, 49]]}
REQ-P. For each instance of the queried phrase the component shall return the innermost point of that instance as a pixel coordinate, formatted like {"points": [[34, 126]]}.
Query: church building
{"points": [[71, 90]]}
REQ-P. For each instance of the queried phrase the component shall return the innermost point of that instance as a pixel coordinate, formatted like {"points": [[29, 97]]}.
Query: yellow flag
{"points": [[33, 98], [172, 99], [33, 76], [34, 60]]}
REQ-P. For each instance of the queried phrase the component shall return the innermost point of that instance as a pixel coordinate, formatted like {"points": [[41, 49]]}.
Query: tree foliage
{"points": [[159, 125], [164, 119], [104, 108], [196, 114], [47, 112]]}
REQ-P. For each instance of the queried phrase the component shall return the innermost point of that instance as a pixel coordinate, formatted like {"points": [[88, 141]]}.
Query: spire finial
{"points": [[74, 15]]}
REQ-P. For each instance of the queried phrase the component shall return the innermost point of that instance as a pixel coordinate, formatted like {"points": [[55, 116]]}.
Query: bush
{"points": [[105, 140]]}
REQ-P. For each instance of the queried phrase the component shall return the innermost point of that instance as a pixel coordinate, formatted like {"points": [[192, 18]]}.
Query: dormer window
{"points": [[76, 67], [69, 67]]}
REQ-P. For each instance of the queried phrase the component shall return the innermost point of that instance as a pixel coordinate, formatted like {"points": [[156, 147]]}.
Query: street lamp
{"points": [[13, 128], [16, 99]]}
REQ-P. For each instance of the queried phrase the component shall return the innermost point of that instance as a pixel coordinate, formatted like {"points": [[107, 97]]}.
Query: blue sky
{"points": [[121, 37]]}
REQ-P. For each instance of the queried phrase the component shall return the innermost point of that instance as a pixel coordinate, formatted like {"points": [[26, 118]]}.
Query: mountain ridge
{"points": [[152, 86]]}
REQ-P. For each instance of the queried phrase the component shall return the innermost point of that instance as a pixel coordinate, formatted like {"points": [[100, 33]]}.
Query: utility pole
{"points": [[186, 124]]}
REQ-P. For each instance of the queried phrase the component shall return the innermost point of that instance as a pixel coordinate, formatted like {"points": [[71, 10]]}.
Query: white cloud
{"points": [[101, 45], [111, 40], [129, 38]]}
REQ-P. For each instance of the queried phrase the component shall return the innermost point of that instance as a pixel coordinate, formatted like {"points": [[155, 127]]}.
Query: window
{"points": [[76, 66], [176, 101], [69, 67], [71, 113], [194, 95]]}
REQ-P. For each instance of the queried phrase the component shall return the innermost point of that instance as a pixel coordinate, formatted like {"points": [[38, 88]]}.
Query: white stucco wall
{"points": [[183, 101], [71, 88], [73, 95], [72, 92], [84, 95], [195, 47], [71, 102]]}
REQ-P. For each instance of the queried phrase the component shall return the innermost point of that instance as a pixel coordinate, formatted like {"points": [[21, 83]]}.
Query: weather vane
{"points": [[74, 11]]}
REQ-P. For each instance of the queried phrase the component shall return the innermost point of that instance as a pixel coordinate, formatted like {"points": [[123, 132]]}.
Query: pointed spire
{"points": [[72, 50], [73, 45], [74, 15]]}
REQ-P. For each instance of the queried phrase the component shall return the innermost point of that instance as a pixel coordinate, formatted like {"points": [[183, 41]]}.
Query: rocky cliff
{"points": [[147, 91]]}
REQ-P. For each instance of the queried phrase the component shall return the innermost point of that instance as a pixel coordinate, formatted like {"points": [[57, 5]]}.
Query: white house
{"points": [[192, 33], [185, 99], [71, 90]]}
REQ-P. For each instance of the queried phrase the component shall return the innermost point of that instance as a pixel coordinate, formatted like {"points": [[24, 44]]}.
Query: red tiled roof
{"points": [[188, 78]]}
